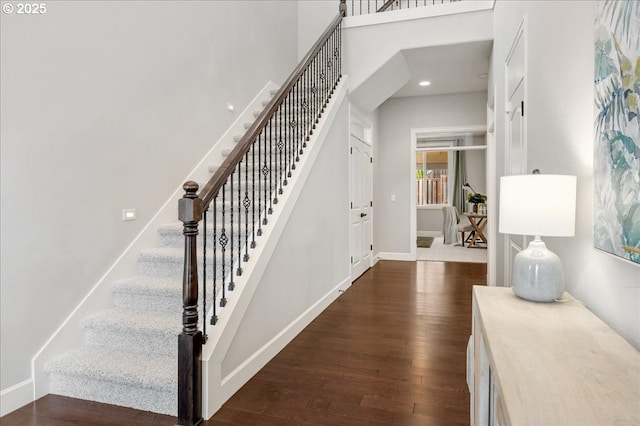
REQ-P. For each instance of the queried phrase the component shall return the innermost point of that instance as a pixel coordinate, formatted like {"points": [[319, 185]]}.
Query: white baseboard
{"points": [[241, 375], [16, 396], [407, 257]]}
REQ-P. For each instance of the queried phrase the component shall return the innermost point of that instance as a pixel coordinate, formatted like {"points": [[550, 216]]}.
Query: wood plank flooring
{"points": [[390, 351]]}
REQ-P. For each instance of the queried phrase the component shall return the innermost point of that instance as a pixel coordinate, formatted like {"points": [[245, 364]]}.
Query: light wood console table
{"points": [[548, 364]]}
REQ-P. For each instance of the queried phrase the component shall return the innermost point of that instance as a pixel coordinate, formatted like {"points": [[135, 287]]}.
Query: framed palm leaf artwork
{"points": [[617, 129]]}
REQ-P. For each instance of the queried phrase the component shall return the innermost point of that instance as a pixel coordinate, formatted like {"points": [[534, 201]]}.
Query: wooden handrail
{"points": [[212, 187], [386, 6]]}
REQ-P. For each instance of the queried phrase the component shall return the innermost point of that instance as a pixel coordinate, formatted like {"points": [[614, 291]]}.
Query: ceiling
{"points": [[456, 68]]}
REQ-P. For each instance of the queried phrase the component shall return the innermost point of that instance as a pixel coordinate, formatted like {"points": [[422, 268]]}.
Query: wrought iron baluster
{"points": [[246, 203], [314, 91], [303, 107], [282, 128], [253, 193], [339, 53], [223, 240], [331, 63], [283, 178], [323, 77], [214, 318], [270, 168], [204, 274], [259, 142], [232, 284], [290, 136], [294, 123], [239, 261], [265, 175], [274, 168], [299, 119]]}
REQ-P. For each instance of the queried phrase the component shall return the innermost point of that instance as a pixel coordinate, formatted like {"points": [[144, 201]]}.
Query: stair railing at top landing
{"points": [[365, 7], [236, 203]]}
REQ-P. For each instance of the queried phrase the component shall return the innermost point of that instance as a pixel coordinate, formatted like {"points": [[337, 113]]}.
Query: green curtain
{"points": [[459, 198]]}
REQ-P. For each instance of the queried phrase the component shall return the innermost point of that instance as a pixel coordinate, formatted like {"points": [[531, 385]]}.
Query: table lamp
{"points": [[537, 205]]}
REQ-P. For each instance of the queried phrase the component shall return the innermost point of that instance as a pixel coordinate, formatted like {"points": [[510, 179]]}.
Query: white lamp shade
{"points": [[539, 205]]}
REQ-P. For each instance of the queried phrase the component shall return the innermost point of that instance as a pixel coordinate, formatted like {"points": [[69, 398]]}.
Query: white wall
{"points": [[314, 16], [559, 43], [369, 44], [393, 170], [105, 106], [317, 237]]}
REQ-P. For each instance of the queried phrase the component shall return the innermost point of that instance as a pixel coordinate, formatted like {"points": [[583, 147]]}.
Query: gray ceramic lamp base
{"points": [[537, 273]]}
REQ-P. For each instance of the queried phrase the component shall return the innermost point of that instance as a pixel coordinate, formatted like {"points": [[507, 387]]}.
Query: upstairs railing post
{"points": [[343, 8], [190, 340]]}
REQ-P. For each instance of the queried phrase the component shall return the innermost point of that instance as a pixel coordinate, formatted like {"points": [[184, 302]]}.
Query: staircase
{"points": [[130, 354]]}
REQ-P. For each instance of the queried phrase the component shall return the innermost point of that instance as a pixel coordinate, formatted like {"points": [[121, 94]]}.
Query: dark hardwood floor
{"points": [[390, 351]]}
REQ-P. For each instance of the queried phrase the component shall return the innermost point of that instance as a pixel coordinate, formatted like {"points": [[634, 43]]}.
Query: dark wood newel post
{"points": [[190, 340]]}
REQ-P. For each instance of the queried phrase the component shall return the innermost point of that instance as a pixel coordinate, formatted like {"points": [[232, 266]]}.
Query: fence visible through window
{"points": [[432, 175]]}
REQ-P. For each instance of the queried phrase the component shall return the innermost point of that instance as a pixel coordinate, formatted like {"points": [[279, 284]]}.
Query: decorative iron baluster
{"points": [[290, 138], [294, 124], [214, 318], [232, 284], [273, 131], [305, 109], [270, 168], [299, 122], [260, 136], [283, 178], [204, 274], [319, 85], [246, 203], [223, 240], [265, 174], [239, 261], [331, 64], [253, 194]]}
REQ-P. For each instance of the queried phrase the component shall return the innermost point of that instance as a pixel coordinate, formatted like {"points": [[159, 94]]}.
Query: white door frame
{"points": [[429, 132]]}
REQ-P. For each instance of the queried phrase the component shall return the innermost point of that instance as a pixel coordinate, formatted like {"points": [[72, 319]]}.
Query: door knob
{"points": [[363, 214]]}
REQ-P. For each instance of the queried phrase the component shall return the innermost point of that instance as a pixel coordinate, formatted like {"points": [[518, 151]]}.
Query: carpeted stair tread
{"points": [[138, 322], [162, 254], [144, 285], [98, 363]]}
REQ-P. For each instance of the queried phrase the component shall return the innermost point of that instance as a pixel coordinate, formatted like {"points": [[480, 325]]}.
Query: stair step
{"points": [[154, 293], [137, 331], [168, 262], [171, 234], [142, 381]]}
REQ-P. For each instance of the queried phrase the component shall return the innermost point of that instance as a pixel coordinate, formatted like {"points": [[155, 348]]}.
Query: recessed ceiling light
{"points": [[424, 83]]}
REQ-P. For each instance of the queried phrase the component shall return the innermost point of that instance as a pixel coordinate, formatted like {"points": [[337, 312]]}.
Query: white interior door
{"points": [[361, 207], [516, 147]]}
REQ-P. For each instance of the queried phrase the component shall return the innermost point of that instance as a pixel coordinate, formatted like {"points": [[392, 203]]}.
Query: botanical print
{"points": [[617, 129]]}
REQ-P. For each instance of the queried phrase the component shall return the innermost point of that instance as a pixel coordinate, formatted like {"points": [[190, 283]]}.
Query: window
{"points": [[432, 174]]}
